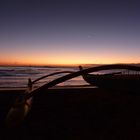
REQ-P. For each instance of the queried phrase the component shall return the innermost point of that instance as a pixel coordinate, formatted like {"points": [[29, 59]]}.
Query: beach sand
{"points": [[76, 114]]}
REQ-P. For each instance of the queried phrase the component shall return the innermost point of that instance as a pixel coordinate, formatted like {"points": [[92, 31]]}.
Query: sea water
{"points": [[18, 76]]}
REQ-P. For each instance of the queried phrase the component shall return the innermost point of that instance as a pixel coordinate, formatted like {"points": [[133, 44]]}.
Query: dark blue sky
{"points": [[69, 31]]}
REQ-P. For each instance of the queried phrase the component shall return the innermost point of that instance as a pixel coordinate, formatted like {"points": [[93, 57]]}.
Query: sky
{"points": [[48, 32]]}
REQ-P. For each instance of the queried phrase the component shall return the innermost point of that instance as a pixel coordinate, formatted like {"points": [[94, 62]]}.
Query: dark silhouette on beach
{"points": [[75, 113]]}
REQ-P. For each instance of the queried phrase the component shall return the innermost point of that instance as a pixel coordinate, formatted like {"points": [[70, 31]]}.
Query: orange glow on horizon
{"points": [[66, 62], [66, 58]]}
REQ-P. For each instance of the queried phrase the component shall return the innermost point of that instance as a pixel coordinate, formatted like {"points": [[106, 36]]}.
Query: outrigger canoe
{"points": [[23, 104], [78, 113]]}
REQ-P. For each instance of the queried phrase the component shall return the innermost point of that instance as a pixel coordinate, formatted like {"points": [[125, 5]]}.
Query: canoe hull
{"points": [[115, 82]]}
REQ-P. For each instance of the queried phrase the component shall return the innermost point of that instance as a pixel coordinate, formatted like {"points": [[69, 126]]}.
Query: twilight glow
{"points": [[69, 32]]}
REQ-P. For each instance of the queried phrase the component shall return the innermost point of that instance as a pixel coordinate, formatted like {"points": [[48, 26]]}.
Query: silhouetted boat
{"points": [[23, 103], [116, 80], [71, 113]]}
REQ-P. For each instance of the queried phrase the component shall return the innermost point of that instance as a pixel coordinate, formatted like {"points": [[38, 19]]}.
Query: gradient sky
{"points": [[69, 31]]}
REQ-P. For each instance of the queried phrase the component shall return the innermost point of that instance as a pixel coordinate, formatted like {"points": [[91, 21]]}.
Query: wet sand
{"points": [[76, 113]]}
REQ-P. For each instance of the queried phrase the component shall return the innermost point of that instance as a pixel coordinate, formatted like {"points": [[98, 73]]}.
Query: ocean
{"points": [[18, 76]]}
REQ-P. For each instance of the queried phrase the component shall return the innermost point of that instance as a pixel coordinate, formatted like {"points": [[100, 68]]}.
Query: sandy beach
{"points": [[76, 113]]}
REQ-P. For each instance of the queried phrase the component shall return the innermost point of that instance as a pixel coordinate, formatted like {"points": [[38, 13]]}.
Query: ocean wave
{"points": [[21, 72], [18, 76]]}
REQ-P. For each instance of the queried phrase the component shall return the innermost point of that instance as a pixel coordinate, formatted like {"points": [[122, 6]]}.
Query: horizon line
{"points": [[60, 65]]}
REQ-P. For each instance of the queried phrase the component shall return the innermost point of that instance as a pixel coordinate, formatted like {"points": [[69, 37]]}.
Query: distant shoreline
{"points": [[64, 66]]}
